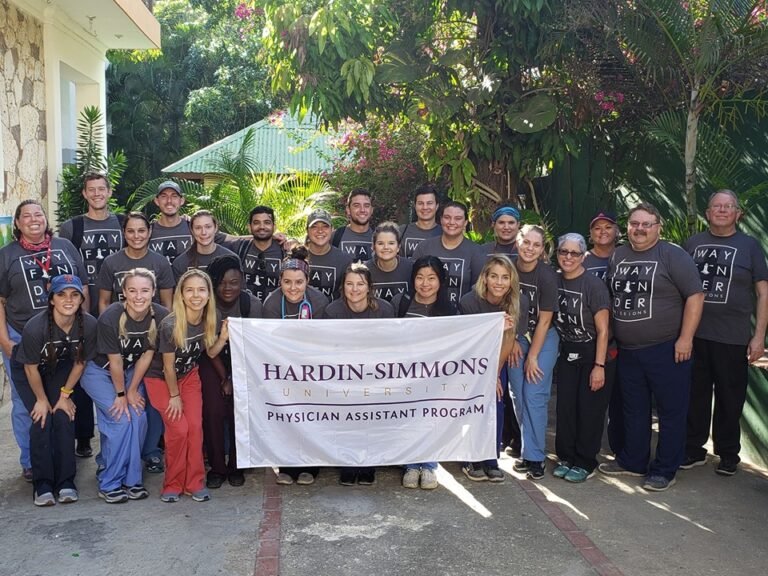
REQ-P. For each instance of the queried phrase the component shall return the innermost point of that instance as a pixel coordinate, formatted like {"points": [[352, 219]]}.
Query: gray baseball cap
{"points": [[169, 184]]}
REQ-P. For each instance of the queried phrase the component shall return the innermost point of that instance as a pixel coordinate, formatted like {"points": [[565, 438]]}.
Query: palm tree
{"points": [[707, 58], [241, 186]]}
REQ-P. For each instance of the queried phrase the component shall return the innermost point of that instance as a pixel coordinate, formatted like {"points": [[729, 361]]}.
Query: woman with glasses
{"points": [[295, 299], [534, 357], [584, 370]]}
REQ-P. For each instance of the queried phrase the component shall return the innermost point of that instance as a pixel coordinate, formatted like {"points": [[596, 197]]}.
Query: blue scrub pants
{"points": [[121, 440]]}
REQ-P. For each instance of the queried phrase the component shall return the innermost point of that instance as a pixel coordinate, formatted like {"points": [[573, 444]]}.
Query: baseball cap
{"points": [[64, 281], [603, 215], [169, 184], [319, 215]]}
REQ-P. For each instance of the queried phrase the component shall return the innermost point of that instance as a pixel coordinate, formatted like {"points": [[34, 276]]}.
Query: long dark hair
{"points": [[443, 305]]}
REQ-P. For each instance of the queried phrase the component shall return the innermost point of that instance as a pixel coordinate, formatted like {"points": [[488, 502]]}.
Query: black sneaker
{"points": [[494, 474], [521, 465], [83, 448], [237, 478], [727, 467], [692, 462], [366, 477], [535, 470], [348, 477], [214, 480], [154, 465]]}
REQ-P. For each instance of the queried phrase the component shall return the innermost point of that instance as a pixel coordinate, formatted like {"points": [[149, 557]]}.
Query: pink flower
{"points": [[243, 11]]}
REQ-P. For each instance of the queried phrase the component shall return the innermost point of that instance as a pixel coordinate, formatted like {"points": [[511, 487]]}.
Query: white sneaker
{"points": [[68, 495], [428, 479], [284, 478], [44, 499], [411, 478], [305, 479]]}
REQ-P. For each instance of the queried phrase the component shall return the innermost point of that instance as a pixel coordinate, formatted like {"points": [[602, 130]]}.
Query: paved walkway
{"points": [[706, 524]]}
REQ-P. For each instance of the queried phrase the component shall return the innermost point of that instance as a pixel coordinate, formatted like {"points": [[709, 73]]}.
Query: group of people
{"points": [[131, 317]]}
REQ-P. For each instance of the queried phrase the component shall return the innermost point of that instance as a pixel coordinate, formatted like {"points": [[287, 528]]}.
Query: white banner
{"points": [[365, 392]]}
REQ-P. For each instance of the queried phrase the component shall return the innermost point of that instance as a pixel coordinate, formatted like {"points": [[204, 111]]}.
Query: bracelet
{"points": [[175, 395], [599, 365], [66, 391], [121, 394]]}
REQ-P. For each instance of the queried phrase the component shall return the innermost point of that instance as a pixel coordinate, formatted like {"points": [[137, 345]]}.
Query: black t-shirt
{"points": [[136, 339]]}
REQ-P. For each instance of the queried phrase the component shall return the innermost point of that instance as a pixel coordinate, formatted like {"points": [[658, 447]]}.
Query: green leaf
{"points": [[532, 114]]}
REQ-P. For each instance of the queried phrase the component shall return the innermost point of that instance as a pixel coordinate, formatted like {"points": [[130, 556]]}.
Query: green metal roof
{"points": [[281, 144]]}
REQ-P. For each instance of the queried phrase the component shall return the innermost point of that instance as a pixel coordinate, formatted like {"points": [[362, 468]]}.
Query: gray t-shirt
{"points": [[471, 303], [114, 268], [462, 264], [171, 241], [728, 268], [186, 357], [387, 285], [596, 265], [411, 236], [539, 286], [136, 339], [339, 310], [357, 245], [101, 238], [649, 290], [325, 271], [275, 306], [261, 268], [37, 334], [579, 300], [25, 275], [186, 261], [491, 248]]}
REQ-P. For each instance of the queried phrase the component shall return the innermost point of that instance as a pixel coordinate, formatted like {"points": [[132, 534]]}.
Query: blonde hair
{"points": [[511, 301], [152, 334], [181, 327]]}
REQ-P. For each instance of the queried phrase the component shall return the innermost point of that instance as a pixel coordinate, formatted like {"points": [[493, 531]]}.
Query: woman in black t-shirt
{"points": [[46, 366]]}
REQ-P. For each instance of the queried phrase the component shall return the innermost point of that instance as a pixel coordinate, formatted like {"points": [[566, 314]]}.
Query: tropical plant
{"points": [[240, 187], [89, 157], [707, 59], [482, 78]]}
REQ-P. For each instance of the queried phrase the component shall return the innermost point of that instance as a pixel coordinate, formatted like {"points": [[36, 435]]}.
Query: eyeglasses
{"points": [[726, 207], [643, 225], [570, 253]]}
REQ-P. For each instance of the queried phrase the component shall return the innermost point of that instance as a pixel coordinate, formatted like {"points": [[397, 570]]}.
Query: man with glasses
{"points": [[657, 304], [734, 277]]}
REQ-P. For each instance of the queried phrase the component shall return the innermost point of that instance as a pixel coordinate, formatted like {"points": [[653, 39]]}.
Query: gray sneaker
{"points": [[428, 479], [68, 495], [615, 469], [656, 483], [201, 495], [411, 478], [474, 472], [44, 499], [305, 479], [494, 474]]}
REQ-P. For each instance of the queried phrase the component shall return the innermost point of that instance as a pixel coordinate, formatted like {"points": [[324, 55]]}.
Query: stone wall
{"points": [[22, 107]]}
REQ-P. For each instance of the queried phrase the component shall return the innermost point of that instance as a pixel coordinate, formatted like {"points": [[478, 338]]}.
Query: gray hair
{"points": [[725, 191], [572, 237]]}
